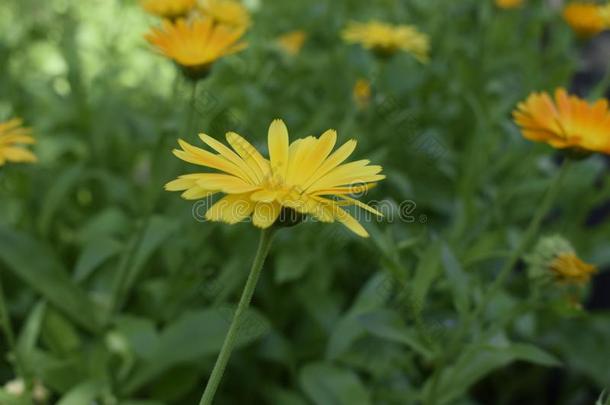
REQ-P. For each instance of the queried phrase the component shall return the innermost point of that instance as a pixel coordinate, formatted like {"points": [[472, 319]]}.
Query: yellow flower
{"points": [[292, 42], [566, 122], [568, 268], [301, 177], [509, 3], [197, 44], [170, 9], [228, 12], [12, 134], [586, 19], [362, 93], [386, 39]]}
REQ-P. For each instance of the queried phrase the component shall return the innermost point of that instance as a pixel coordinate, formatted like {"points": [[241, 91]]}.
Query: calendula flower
{"points": [[586, 19], [197, 44], [228, 12], [362, 93], [292, 42], [302, 177], [555, 259], [568, 268], [386, 39], [170, 9], [12, 136], [509, 3], [566, 122]]}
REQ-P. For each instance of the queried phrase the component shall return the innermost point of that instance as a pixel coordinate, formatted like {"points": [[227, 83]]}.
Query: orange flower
{"points": [[170, 9], [568, 268], [196, 45], [566, 122], [509, 3], [586, 19], [292, 42]]}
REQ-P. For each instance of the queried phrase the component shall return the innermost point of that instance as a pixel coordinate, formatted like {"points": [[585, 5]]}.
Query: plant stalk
{"points": [[264, 245]]}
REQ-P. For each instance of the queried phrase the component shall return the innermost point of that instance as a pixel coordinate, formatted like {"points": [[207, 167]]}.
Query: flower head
{"points": [[228, 12], [586, 19], [292, 42], [302, 177], [568, 268], [197, 44], [386, 39], [566, 122], [170, 9], [362, 93], [12, 134], [509, 3]]}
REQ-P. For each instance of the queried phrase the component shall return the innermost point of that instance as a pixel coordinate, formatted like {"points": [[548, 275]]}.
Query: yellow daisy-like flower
{"points": [[362, 93], [197, 44], [386, 39], [566, 122], [170, 9], [302, 177], [13, 134], [586, 19], [568, 268], [292, 42], [509, 3], [228, 12]]}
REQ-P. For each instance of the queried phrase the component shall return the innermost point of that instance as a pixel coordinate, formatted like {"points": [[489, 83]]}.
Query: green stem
{"points": [[244, 302], [530, 233], [7, 328], [526, 241]]}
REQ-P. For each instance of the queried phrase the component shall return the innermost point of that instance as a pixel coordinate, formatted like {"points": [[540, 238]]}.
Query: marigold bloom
{"points": [[568, 268], [509, 3], [197, 44], [13, 134], [362, 93], [386, 39], [292, 42], [228, 12], [566, 122], [586, 19], [170, 9], [302, 176]]}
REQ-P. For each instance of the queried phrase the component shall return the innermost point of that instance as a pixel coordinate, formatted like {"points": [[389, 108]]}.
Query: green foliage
{"points": [[120, 294]]}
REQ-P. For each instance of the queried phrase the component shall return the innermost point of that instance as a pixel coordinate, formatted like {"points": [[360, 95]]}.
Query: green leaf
{"points": [[56, 195], [458, 279], [193, 336], [327, 384], [95, 253], [349, 328], [479, 360], [426, 272], [84, 393], [45, 274], [388, 325]]}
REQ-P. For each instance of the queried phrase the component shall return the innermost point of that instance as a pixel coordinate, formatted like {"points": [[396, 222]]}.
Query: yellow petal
{"points": [[231, 209], [332, 161], [278, 147], [264, 196], [255, 161], [225, 183], [265, 214], [15, 154], [227, 153], [202, 157]]}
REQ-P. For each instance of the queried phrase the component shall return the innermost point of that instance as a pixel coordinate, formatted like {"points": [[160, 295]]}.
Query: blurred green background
{"points": [[119, 294]]}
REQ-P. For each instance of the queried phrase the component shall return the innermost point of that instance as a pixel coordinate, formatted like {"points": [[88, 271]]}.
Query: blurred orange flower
{"points": [[170, 9], [197, 44], [566, 122]]}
